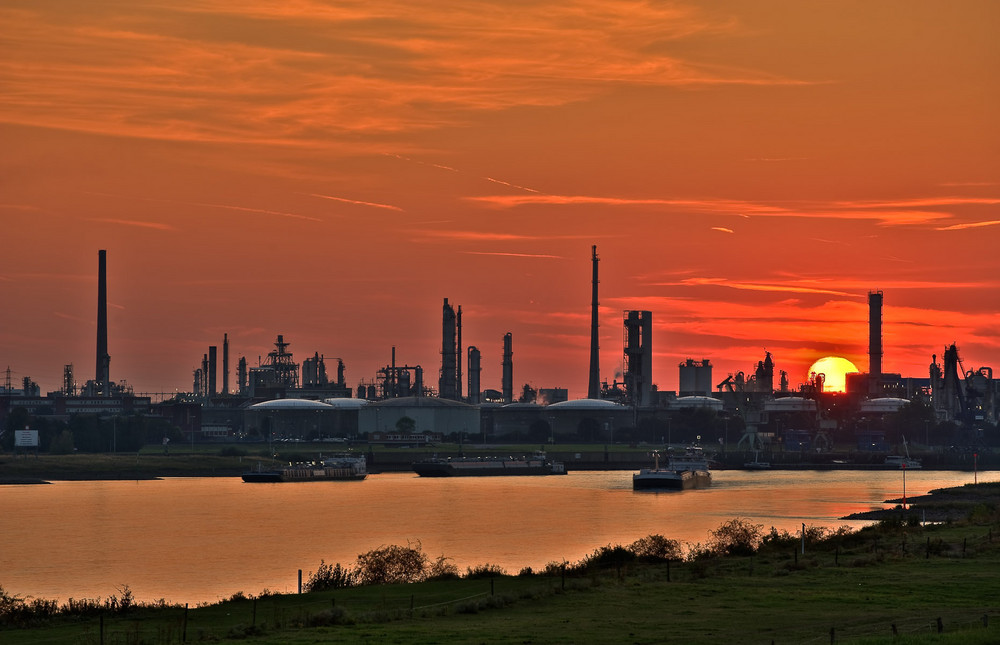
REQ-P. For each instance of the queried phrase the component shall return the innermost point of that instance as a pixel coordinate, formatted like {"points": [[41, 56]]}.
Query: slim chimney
{"points": [[225, 363], [212, 362], [103, 375], [508, 369], [874, 342], [594, 384], [458, 354]]}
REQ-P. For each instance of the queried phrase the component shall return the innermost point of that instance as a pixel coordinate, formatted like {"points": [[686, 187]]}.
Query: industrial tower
{"points": [[639, 357], [103, 372], [594, 383], [874, 342]]}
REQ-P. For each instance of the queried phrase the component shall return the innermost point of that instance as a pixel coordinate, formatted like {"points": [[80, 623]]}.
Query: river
{"points": [[194, 540]]}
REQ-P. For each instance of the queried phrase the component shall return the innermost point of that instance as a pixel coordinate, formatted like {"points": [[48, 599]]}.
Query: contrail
{"points": [[459, 172], [357, 202]]}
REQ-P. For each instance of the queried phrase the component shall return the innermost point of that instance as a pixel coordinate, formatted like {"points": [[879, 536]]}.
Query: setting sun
{"points": [[836, 370]]}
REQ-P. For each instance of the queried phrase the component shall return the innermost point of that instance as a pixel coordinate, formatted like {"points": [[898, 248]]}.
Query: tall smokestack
{"points": [[212, 371], [594, 384], [508, 369], [225, 363], [458, 354], [874, 341], [103, 375]]}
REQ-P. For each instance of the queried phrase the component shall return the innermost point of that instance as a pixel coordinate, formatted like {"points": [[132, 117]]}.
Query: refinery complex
{"points": [[285, 398]]}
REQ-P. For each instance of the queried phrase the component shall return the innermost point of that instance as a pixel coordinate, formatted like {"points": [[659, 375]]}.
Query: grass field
{"points": [[855, 588]]}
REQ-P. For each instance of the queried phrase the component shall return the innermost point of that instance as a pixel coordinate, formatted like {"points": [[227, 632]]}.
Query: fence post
{"points": [[184, 629], [833, 635], [253, 621], [300, 581], [668, 569], [940, 627], [102, 629]]}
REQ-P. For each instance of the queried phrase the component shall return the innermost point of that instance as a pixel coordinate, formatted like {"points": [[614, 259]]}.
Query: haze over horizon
{"points": [[331, 172]]}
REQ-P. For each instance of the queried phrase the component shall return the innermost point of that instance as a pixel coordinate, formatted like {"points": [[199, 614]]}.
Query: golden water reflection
{"points": [[201, 539]]}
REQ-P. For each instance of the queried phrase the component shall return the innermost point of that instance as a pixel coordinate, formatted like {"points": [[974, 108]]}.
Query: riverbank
{"points": [[230, 460], [889, 583], [942, 505]]}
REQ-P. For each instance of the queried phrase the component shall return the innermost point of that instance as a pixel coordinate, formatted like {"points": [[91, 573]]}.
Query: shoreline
{"points": [[45, 468]]}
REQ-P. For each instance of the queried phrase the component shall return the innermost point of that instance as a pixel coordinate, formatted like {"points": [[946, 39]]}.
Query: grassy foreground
{"points": [[933, 584]]}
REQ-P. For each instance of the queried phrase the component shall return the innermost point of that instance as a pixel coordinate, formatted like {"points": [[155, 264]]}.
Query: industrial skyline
{"points": [[331, 174], [633, 383]]}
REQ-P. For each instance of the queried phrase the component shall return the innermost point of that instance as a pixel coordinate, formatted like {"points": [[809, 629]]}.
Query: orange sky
{"points": [[331, 171]]}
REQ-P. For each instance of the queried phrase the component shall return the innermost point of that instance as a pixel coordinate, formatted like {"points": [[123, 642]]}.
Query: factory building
{"points": [[418, 414], [588, 420], [695, 378]]}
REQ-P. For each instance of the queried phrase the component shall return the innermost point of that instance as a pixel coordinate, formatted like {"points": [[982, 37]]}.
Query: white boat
{"points": [[903, 461], [689, 470], [757, 464]]}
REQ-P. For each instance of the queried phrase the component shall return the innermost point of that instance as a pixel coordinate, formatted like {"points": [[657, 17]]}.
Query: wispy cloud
{"points": [[262, 211], [478, 236], [19, 207], [516, 255], [460, 172], [357, 202], [756, 286], [496, 236], [958, 227], [159, 226], [884, 213], [166, 72], [845, 287], [722, 229]]}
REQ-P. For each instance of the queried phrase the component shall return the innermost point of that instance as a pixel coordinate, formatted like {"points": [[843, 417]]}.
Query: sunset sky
{"points": [[331, 171]]}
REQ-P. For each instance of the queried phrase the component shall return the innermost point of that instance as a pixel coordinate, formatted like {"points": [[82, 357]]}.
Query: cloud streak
{"points": [[359, 67], [516, 255], [884, 213], [159, 226], [357, 202]]}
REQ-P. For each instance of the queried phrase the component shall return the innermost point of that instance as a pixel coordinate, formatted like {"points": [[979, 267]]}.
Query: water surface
{"points": [[202, 539]]}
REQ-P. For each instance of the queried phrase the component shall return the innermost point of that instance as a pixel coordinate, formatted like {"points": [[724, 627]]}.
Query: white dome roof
{"points": [[790, 404], [290, 404], [587, 404], [697, 402], [343, 403]]}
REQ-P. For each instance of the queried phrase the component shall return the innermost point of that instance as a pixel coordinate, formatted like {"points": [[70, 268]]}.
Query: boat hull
{"points": [[486, 468], [671, 480], [332, 469]]}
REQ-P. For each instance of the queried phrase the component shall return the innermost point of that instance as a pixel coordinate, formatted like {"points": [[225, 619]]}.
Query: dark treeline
{"points": [[89, 432]]}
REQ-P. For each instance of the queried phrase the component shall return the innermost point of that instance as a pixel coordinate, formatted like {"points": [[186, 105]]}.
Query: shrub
{"points": [[484, 571], [442, 569], [736, 537], [656, 548], [608, 556], [392, 564], [329, 577]]}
